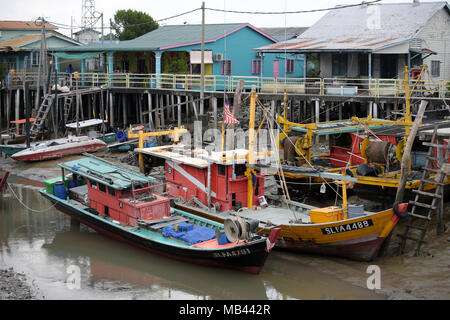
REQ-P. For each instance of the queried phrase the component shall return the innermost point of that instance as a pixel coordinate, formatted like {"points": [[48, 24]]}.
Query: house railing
{"points": [[376, 88]]}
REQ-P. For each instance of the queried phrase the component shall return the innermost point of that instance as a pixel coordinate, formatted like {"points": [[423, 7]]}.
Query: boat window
{"points": [[93, 184], [221, 170], [239, 170], [111, 191], [102, 187]]}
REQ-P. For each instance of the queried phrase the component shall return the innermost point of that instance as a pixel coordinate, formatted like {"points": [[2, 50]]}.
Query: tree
{"points": [[130, 24]]}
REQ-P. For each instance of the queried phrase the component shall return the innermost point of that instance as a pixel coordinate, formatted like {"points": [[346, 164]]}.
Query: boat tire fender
{"points": [[401, 209]]}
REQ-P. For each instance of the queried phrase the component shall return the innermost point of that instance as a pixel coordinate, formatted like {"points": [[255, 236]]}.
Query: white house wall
{"points": [[436, 37]]}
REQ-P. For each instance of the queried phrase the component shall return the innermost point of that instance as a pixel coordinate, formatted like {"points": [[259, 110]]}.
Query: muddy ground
{"points": [[402, 276], [15, 286]]}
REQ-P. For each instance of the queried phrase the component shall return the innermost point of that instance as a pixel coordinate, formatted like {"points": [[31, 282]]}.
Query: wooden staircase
{"points": [[426, 202]]}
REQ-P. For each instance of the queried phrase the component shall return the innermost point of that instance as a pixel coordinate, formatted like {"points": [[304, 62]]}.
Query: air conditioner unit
{"points": [[218, 57], [416, 44]]}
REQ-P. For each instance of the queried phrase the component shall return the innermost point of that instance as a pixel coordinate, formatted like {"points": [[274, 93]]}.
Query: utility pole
{"points": [[42, 67], [110, 31], [103, 34], [202, 81], [71, 27]]}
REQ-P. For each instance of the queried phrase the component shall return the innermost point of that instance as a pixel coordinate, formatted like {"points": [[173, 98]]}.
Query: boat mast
{"points": [[251, 149]]}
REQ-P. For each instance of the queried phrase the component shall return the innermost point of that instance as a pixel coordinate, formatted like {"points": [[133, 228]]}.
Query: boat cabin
{"points": [[202, 175], [115, 193]]}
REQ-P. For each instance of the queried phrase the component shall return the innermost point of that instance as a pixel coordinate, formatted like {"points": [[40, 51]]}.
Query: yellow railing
{"points": [[310, 86]]}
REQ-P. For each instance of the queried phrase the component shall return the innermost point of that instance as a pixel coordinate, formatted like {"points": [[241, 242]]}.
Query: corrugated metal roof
{"points": [[20, 43], [350, 29], [24, 25], [170, 36], [16, 43]]}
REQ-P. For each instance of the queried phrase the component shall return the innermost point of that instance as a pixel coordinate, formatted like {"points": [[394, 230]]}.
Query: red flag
{"points": [[228, 117]]}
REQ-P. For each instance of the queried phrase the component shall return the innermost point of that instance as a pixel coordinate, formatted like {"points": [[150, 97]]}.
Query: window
{"points": [[256, 66], [435, 68], [240, 169], [102, 187], [93, 184], [290, 65], [363, 65], [221, 170], [10, 64], [111, 191], [226, 67], [35, 58], [339, 65]]}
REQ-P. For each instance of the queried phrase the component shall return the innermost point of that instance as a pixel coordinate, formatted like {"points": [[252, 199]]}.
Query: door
{"points": [[276, 68]]}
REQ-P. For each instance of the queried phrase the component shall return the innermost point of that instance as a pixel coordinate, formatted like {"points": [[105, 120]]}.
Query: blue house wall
{"points": [[239, 48]]}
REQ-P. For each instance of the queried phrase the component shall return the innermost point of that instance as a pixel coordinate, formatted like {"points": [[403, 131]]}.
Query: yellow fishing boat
{"points": [[363, 146]]}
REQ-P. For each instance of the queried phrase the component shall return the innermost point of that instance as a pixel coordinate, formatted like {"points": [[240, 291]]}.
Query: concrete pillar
{"points": [[179, 110], [375, 111], [17, 104], [83, 65], [158, 56], [214, 103], [110, 62], [57, 66], [317, 111], [111, 109], [369, 109]]}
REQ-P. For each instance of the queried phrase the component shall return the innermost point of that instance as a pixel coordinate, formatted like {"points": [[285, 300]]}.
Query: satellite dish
{"points": [[231, 230]]}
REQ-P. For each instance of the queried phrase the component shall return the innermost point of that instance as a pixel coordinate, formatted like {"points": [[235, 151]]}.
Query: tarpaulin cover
{"points": [[196, 235], [76, 56]]}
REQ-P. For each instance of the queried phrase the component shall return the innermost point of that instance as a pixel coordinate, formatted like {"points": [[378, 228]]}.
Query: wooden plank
{"points": [[158, 227], [156, 221]]}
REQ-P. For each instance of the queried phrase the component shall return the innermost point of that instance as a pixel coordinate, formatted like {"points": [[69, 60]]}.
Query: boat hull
{"points": [[357, 239], [11, 149], [248, 257], [57, 153]]}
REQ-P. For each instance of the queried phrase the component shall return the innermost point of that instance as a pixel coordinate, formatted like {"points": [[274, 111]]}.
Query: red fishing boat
{"points": [[127, 206]]}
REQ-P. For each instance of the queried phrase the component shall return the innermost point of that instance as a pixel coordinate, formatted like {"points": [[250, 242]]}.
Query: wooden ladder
{"points": [[41, 114], [67, 107], [428, 200]]}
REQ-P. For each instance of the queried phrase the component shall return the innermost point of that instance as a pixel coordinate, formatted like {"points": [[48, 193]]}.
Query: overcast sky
{"points": [[62, 11]]}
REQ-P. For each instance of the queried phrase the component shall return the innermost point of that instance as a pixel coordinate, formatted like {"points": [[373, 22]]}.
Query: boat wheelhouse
{"points": [[208, 178]]}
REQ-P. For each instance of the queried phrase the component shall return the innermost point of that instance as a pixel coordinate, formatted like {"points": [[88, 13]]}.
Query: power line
{"points": [[67, 27], [296, 12]]}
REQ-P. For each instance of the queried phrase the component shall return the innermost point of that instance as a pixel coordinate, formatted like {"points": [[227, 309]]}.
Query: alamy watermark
{"points": [[374, 18], [374, 281], [73, 281]]}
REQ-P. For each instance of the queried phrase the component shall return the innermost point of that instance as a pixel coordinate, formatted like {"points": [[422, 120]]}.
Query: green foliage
{"points": [[176, 62], [2, 71], [130, 24]]}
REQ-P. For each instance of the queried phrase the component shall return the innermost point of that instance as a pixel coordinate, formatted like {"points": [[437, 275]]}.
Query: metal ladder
{"points": [[41, 114], [67, 107], [424, 199]]}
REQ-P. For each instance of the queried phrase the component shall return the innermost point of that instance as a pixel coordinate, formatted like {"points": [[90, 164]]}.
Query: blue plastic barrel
{"points": [[121, 136], [60, 190]]}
